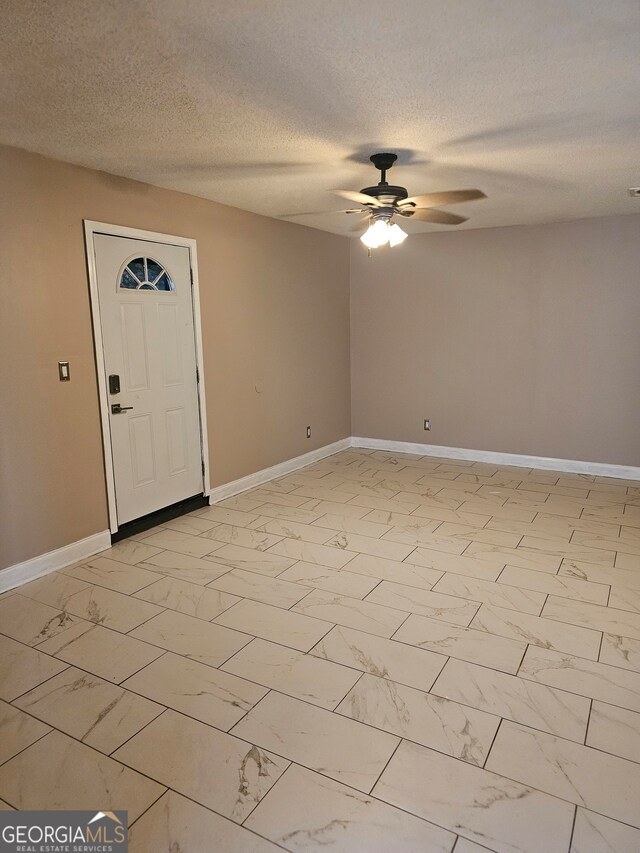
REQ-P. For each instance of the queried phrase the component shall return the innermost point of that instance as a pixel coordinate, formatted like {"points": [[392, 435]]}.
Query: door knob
{"points": [[117, 409]]}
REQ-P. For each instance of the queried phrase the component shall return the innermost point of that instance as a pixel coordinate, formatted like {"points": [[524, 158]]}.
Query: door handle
{"points": [[117, 409]]}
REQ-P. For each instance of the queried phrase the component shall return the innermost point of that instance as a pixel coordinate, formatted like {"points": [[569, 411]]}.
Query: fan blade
{"points": [[360, 198], [437, 199], [317, 213], [441, 217]]}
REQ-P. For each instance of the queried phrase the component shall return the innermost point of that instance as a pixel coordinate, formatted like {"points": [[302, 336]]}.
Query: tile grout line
{"points": [[370, 791], [573, 829], [600, 649], [353, 686], [586, 730], [149, 807], [29, 745], [493, 740]]}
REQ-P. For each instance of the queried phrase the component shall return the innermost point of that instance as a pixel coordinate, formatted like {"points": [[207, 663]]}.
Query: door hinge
{"points": [[197, 374], [203, 467], [191, 276]]}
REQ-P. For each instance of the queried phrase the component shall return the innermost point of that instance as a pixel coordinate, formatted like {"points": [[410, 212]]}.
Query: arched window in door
{"points": [[145, 274]]}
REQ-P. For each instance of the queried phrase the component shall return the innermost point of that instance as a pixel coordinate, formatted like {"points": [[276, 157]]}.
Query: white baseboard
{"points": [[21, 573], [29, 570], [235, 487], [572, 466], [36, 567]]}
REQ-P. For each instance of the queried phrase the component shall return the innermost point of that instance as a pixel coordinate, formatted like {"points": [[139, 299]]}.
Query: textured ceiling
{"points": [[268, 104]]}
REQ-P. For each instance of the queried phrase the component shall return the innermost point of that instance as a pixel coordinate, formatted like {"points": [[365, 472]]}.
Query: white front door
{"points": [[146, 318]]}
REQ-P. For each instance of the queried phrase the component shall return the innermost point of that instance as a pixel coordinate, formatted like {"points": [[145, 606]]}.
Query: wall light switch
{"points": [[63, 371]]}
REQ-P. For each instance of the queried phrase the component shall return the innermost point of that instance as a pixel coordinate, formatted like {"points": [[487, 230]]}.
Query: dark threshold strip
{"points": [[138, 525]]}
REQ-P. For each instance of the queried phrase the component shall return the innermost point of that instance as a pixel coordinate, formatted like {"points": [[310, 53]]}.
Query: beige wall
{"points": [[522, 340], [275, 316]]}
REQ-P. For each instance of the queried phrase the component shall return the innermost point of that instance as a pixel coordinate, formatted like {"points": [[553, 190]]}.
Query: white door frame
{"points": [[91, 228]]}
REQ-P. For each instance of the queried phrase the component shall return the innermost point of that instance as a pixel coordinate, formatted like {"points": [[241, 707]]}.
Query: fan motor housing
{"points": [[386, 192]]}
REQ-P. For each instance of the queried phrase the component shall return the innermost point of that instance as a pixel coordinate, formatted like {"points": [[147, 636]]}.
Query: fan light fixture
{"points": [[396, 235], [381, 232], [379, 205], [384, 201]]}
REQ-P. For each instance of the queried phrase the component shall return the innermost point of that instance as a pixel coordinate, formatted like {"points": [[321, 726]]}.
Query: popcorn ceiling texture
{"points": [[267, 106]]}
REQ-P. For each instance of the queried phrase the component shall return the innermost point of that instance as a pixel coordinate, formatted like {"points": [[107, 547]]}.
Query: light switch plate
{"points": [[63, 371]]}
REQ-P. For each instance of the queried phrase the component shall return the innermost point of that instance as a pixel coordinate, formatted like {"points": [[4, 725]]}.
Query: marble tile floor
{"points": [[379, 652]]}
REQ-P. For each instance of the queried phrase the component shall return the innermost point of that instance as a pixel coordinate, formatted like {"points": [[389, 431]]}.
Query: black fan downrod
{"points": [[384, 191]]}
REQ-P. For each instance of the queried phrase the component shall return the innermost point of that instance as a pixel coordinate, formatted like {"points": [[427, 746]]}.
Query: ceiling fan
{"points": [[381, 203]]}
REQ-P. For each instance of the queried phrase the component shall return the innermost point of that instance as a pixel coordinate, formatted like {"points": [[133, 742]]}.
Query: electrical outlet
{"points": [[427, 424], [308, 432]]}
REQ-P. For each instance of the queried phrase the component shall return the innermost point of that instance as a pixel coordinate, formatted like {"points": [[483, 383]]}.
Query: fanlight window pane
{"points": [[137, 268], [153, 269], [128, 281], [145, 274]]}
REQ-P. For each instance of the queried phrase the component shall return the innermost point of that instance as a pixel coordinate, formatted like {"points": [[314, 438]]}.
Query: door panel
{"points": [[135, 346], [171, 359], [141, 449], [176, 440], [149, 341]]}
